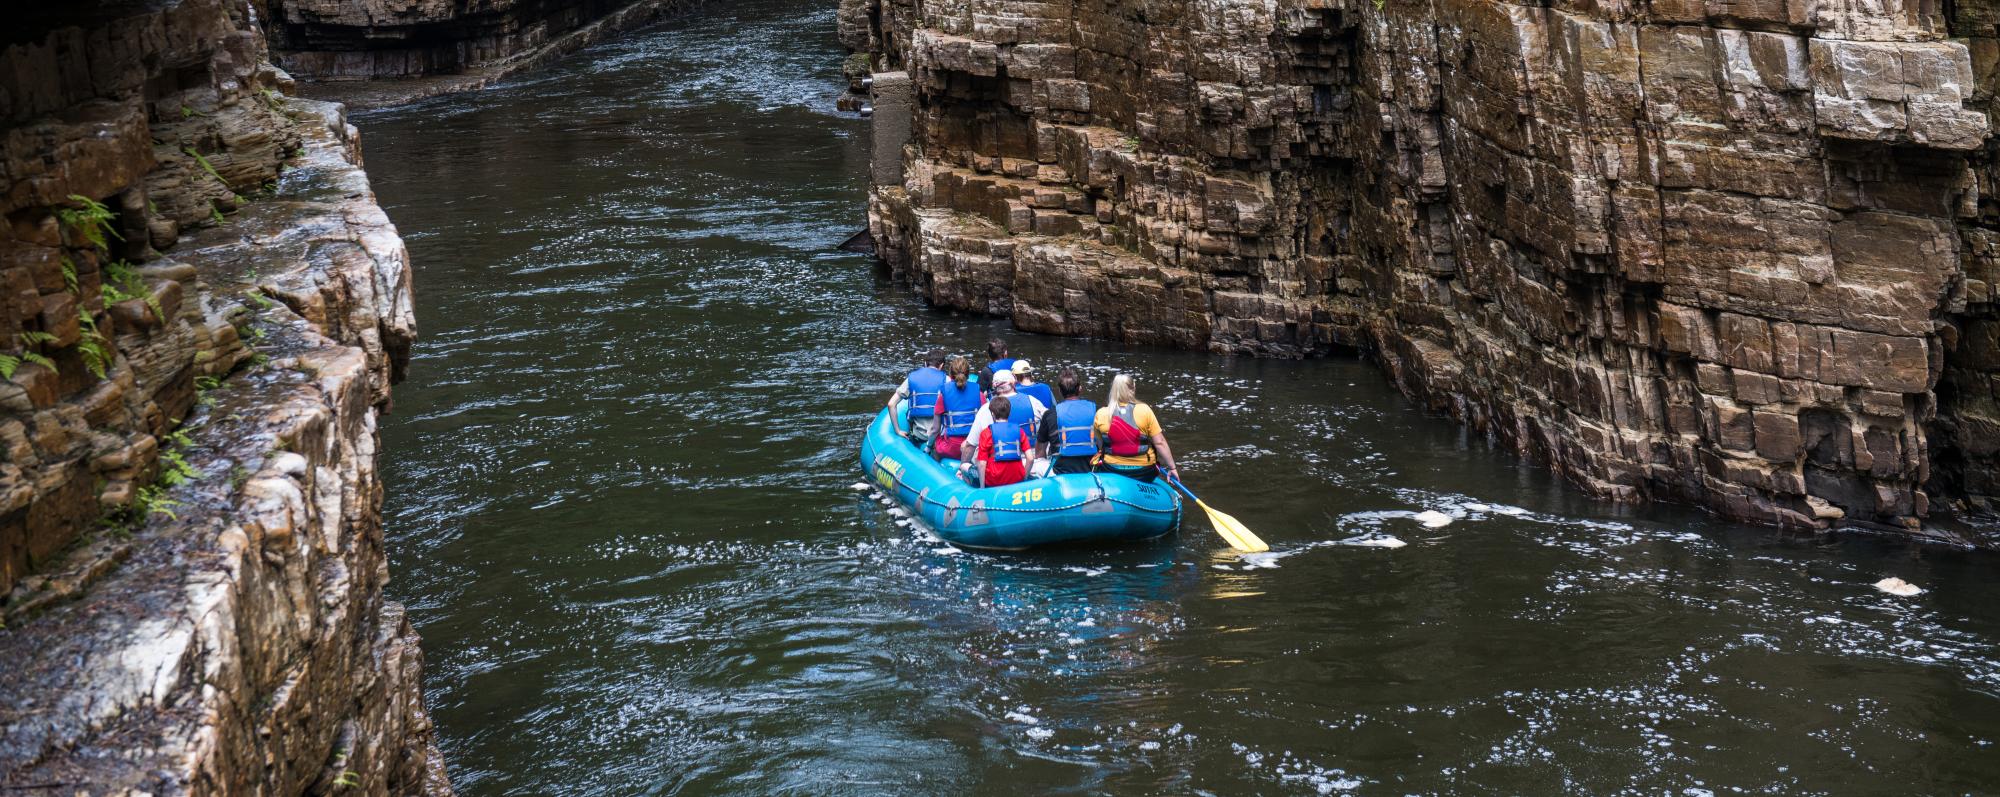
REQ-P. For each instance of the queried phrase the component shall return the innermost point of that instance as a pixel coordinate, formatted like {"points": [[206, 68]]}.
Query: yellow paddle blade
{"points": [[1233, 532]]}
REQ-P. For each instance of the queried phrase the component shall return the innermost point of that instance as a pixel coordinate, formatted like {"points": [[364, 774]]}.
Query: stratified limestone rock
{"points": [[191, 568], [1736, 254], [240, 643], [435, 46]]}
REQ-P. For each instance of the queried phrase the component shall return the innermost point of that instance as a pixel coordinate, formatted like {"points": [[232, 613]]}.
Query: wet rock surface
{"points": [[1734, 255]]}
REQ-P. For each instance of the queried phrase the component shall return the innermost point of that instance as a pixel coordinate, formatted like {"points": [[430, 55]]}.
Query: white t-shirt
{"points": [[985, 417]]}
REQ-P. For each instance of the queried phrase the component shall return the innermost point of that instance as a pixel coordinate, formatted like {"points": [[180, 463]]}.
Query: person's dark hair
{"points": [[934, 358], [958, 368], [1069, 384], [1000, 407], [996, 348]]}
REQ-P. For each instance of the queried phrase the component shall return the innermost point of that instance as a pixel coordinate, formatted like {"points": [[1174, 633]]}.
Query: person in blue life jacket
{"points": [[1064, 434], [1023, 411], [922, 388], [959, 402], [1004, 453], [1025, 384], [996, 354]]}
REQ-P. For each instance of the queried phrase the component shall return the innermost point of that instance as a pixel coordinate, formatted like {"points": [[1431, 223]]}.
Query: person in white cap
{"points": [[1025, 384], [1025, 411]]}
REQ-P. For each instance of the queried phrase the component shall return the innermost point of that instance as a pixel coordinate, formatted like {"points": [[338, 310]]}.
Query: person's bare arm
{"points": [[1166, 456]]}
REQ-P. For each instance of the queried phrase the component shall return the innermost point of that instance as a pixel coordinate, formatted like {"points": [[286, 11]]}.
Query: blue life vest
{"points": [[1002, 364], [1006, 441], [1040, 391], [1074, 418], [961, 405], [925, 385], [1019, 411]]}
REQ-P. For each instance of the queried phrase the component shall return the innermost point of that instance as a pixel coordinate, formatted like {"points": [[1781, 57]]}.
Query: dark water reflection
{"points": [[621, 512]]}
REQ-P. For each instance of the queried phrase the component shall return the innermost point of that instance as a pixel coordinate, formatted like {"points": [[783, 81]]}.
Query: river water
{"points": [[621, 512]]}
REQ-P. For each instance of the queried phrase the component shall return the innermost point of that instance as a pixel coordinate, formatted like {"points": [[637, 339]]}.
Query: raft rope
{"points": [[1103, 494]]}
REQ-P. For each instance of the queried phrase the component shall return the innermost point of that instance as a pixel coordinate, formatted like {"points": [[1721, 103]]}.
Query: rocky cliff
{"points": [[202, 310], [1740, 253], [436, 46]]}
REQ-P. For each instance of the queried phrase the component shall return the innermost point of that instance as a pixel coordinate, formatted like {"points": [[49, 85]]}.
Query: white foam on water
{"points": [[1040, 734], [1024, 719], [860, 486], [946, 550], [1374, 541], [1432, 518], [1897, 586], [1149, 746]]}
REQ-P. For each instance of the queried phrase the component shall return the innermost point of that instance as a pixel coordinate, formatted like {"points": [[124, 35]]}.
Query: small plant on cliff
{"points": [[215, 215], [152, 501], [257, 297], [26, 343], [124, 280], [96, 349], [92, 222], [205, 165], [69, 275]]}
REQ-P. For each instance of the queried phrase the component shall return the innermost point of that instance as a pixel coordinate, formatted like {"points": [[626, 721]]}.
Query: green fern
{"points": [[205, 165], [175, 470], [215, 215], [34, 337], [10, 363], [92, 222], [96, 349], [69, 275], [131, 285]]}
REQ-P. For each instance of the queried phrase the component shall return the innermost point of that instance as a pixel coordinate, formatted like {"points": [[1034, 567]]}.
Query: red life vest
{"points": [[1124, 438]]}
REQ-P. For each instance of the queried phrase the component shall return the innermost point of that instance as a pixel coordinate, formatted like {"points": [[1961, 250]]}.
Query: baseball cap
{"points": [[1023, 367], [1003, 376]]}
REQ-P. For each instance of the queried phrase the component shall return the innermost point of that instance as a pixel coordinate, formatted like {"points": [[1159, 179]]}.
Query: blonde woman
{"points": [[1129, 440]]}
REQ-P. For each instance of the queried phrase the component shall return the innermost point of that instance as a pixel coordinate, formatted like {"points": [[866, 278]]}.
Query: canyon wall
{"points": [[1740, 253], [202, 310], [438, 45]]}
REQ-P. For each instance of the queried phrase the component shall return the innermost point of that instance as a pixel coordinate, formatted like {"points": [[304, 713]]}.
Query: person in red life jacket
{"points": [[1004, 451], [922, 388], [1129, 440], [1065, 433], [1025, 384], [996, 354], [959, 401], [1024, 411]]}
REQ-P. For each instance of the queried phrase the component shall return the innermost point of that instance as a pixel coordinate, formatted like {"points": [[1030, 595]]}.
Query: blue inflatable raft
{"points": [[1053, 510]]}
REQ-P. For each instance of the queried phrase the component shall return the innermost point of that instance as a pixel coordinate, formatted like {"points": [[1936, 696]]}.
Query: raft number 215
{"points": [[1027, 495]]}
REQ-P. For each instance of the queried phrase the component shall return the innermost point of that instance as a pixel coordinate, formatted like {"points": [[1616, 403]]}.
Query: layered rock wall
{"points": [[201, 312], [1734, 253], [465, 44]]}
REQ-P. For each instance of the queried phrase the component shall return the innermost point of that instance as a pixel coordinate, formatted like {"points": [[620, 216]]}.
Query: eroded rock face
{"points": [[344, 40], [1738, 254], [190, 531]]}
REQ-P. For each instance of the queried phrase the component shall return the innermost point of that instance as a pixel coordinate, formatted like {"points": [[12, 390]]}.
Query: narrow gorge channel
{"points": [[619, 510]]}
